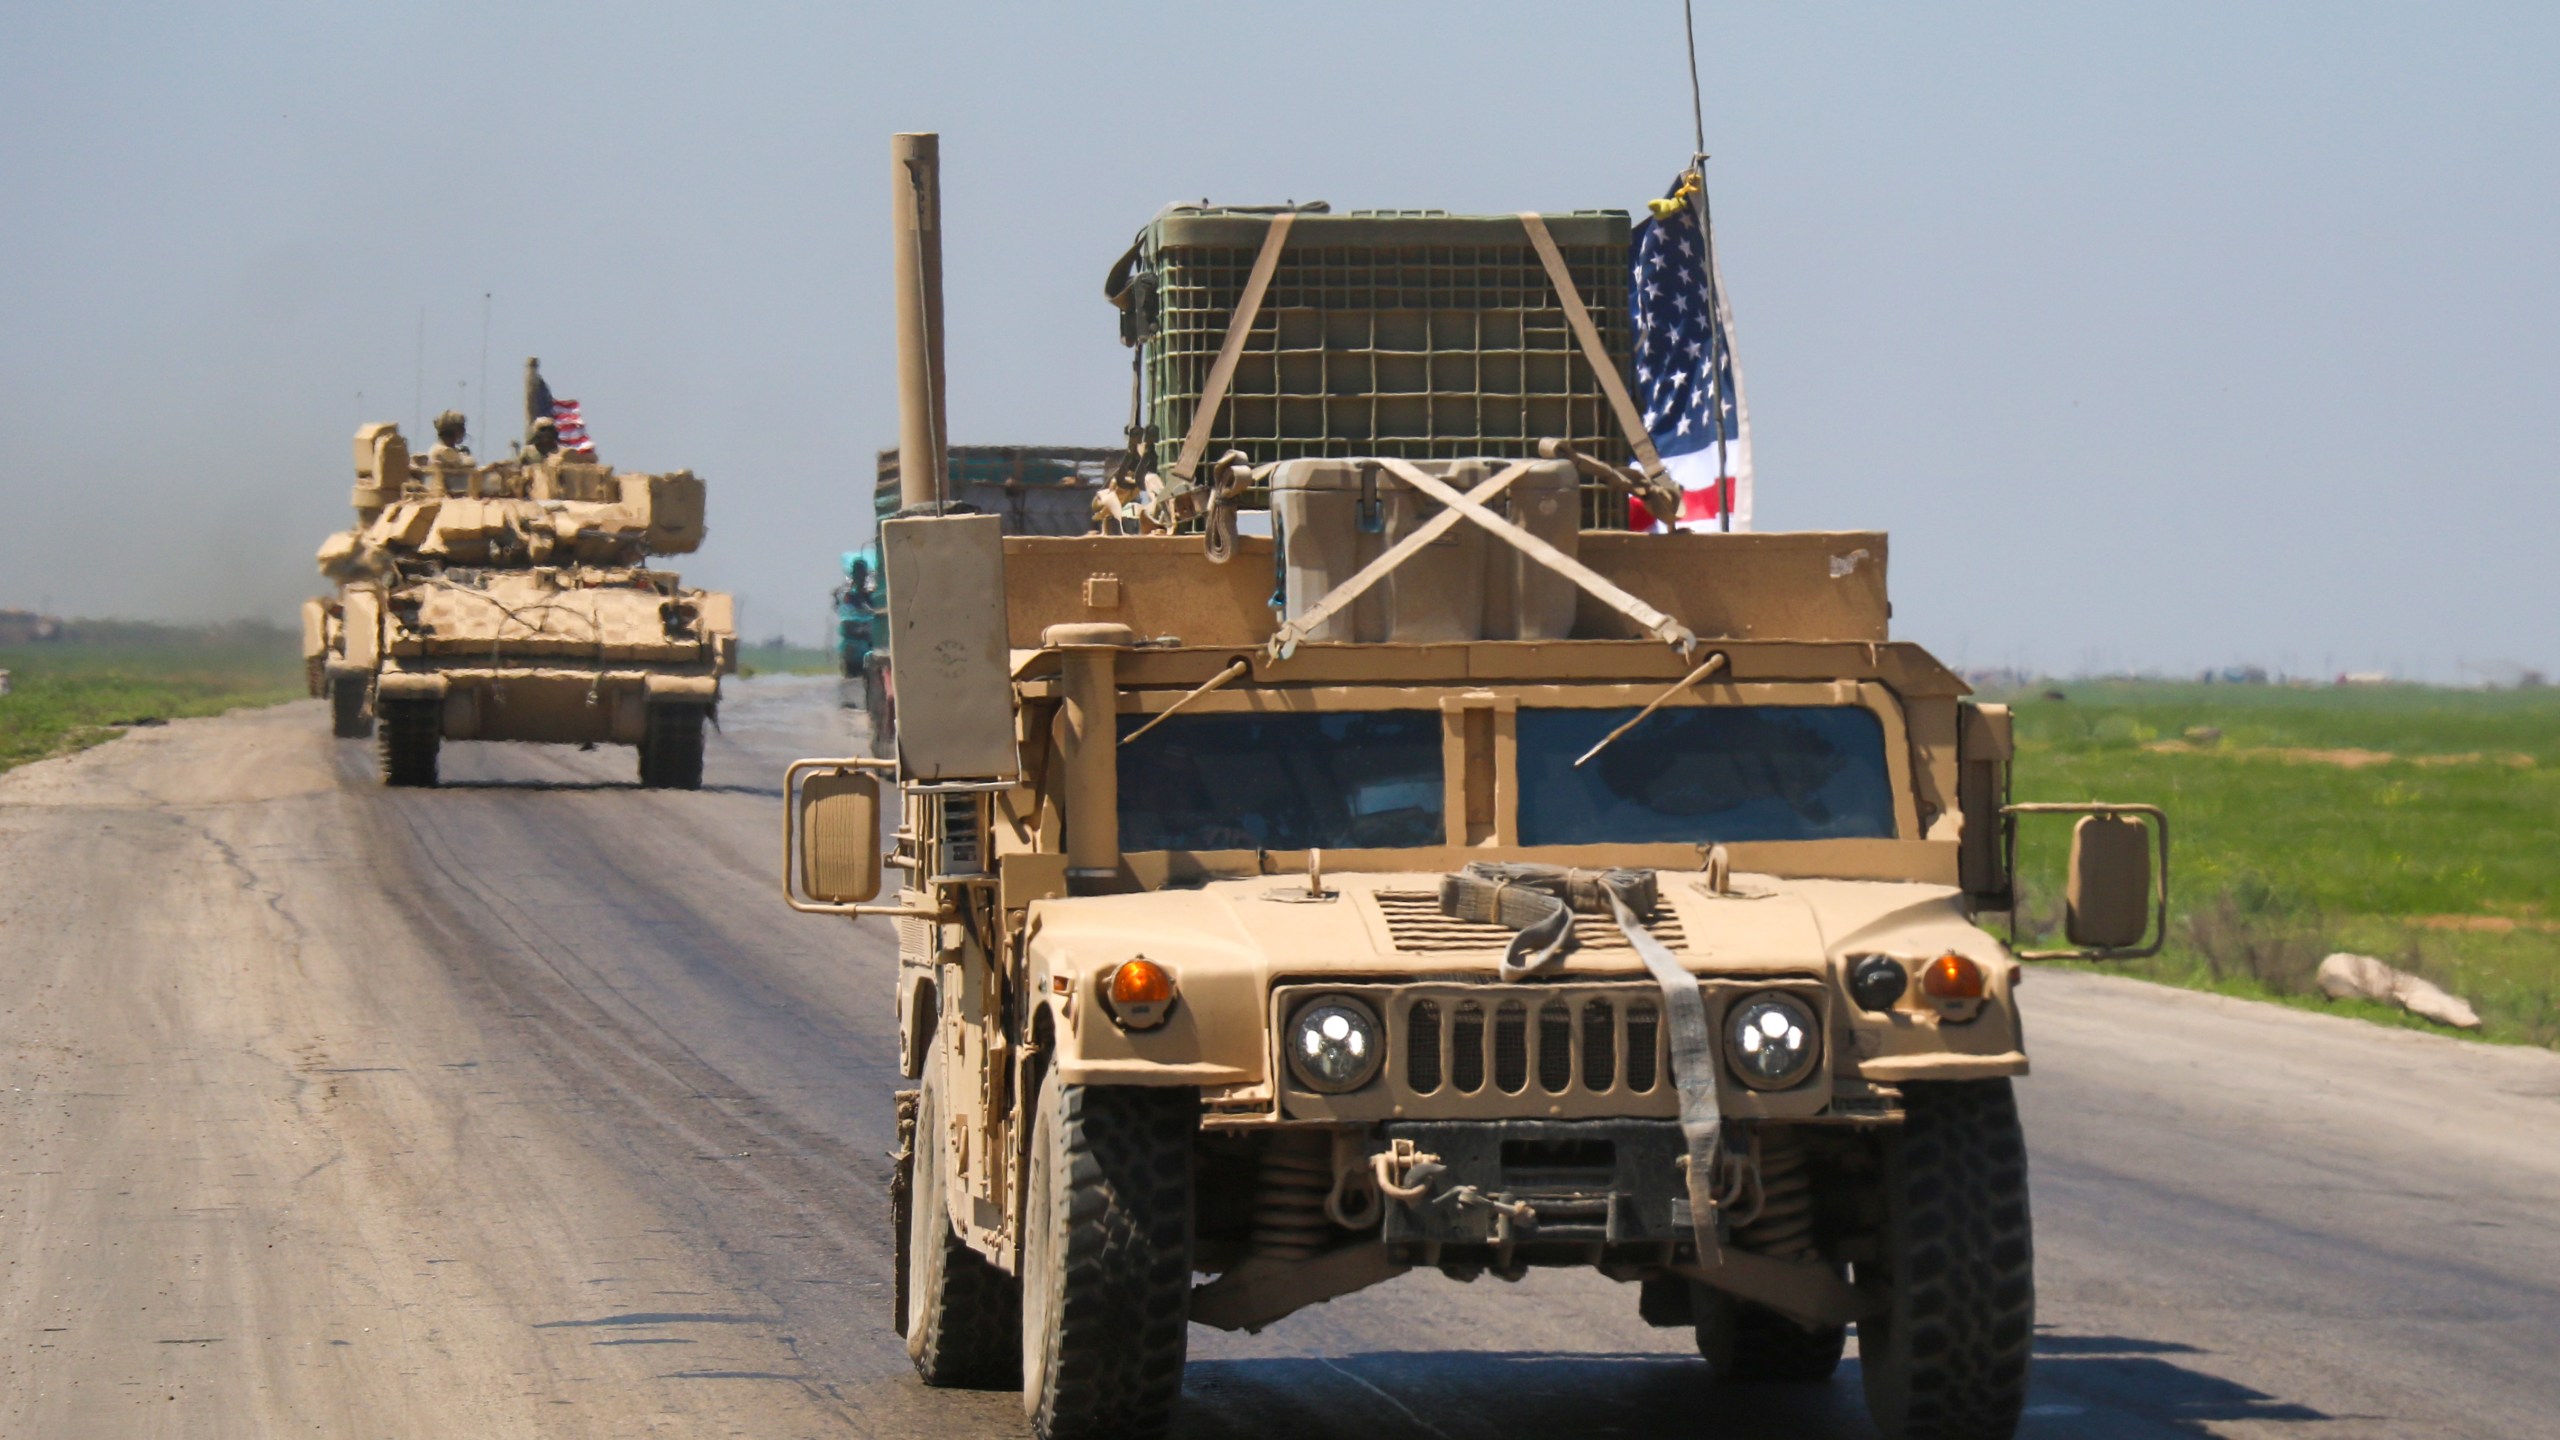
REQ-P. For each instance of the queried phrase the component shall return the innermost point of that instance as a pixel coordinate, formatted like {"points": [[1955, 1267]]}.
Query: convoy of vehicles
{"points": [[1421, 874], [1329, 843]]}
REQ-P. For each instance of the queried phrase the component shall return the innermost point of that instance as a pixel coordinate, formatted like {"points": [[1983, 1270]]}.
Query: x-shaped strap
{"points": [[1470, 506], [1662, 627], [1284, 641]]}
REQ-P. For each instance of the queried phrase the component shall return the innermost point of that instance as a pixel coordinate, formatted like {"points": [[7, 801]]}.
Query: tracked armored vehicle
{"points": [[517, 601], [1506, 891]]}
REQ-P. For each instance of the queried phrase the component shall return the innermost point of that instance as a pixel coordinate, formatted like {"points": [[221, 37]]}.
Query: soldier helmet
{"points": [[449, 426], [545, 423]]}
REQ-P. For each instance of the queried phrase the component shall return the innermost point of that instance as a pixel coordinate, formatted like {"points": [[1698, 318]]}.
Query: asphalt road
{"points": [[522, 1107]]}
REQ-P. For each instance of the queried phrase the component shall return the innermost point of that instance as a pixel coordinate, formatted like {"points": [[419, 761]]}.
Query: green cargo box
{"points": [[1420, 336]]}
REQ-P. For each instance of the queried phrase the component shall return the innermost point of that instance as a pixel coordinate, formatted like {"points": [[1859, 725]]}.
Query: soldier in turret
{"points": [[447, 467], [449, 450]]}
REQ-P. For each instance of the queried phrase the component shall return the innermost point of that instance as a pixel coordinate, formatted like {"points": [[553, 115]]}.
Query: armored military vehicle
{"points": [[516, 601], [1517, 892], [1033, 489]]}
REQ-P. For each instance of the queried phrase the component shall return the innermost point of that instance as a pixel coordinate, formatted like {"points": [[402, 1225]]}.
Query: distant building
{"points": [[1999, 678], [26, 627]]}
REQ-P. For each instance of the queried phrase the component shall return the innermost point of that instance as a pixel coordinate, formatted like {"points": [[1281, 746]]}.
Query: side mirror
{"points": [[2107, 905], [2116, 902], [832, 829]]}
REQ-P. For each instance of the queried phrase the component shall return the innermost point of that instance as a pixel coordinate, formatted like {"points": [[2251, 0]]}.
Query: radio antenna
{"points": [[418, 401], [484, 355], [1697, 107]]}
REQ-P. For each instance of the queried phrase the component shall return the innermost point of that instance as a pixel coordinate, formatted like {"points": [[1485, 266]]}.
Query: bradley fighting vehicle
{"points": [[1518, 892], [516, 601]]}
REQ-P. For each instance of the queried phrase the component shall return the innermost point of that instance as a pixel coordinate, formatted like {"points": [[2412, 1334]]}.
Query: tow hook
{"points": [[1413, 1176]]}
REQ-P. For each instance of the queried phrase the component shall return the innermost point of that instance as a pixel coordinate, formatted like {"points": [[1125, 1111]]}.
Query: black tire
{"points": [[964, 1316], [1947, 1360], [1750, 1344], [1106, 1259], [671, 750], [348, 717], [406, 737]]}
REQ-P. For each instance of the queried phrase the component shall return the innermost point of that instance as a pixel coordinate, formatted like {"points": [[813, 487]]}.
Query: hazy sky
{"points": [[2158, 335]]}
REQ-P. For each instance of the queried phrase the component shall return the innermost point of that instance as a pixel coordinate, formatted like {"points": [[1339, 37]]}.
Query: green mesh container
{"points": [[1421, 336]]}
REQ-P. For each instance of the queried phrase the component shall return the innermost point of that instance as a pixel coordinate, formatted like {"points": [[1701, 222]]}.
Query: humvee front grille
{"points": [[1415, 923], [1567, 1042], [1551, 1050]]}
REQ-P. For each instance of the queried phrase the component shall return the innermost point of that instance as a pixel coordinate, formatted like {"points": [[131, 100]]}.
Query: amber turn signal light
{"points": [[1140, 992], [1952, 977], [1141, 982]]}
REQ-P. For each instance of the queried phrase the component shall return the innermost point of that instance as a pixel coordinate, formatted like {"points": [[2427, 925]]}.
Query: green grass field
{"points": [[72, 693], [109, 676], [2418, 825], [2422, 826], [770, 659]]}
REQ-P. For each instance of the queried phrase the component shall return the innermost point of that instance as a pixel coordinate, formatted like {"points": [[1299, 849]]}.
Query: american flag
{"points": [[1687, 380], [571, 423]]}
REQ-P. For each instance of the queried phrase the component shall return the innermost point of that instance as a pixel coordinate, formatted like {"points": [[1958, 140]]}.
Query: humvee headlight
{"points": [[1140, 993], [1771, 1040], [1334, 1044], [1952, 977]]}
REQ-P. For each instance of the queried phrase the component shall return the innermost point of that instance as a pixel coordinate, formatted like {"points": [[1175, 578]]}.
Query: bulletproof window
{"points": [[1336, 779], [1705, 774]]}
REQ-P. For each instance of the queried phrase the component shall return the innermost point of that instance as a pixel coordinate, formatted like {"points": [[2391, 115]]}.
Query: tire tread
{"points": [[1965, 1269], [1124, 1298]]}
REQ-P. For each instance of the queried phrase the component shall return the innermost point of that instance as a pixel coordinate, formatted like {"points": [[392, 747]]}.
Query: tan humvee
{"points": [[515, 601], [1248, 959]]}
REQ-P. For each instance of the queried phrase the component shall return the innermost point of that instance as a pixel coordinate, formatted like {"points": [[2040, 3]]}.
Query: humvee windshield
{"points": [[1705, 773], [1374, 779], [1340, 780]]}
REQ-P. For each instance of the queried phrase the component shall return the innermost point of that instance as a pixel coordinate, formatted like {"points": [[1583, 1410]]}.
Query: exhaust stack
{"points": [[916, 208]]}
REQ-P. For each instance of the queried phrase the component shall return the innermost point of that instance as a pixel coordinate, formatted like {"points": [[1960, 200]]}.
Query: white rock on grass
{"points": [[2361, 977]]}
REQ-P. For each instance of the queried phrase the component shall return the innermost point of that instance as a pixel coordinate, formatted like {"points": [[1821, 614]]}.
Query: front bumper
{"points": [[1543, 1184]]}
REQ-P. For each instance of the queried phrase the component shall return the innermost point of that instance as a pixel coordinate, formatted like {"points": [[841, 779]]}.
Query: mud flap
{"points": [[902, 1189]]}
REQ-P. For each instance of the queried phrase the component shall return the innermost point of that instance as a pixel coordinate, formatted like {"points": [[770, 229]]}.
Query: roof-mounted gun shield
{"points": [[382, 467], [948, 649], [670, 507]]}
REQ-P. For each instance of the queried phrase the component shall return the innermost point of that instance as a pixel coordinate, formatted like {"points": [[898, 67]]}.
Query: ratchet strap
{"points": [[1539, 902], [1578, 318], [1204, 418]]}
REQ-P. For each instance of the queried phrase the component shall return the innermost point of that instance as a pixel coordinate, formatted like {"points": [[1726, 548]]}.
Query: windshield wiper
{"points": [[1713, 662]]}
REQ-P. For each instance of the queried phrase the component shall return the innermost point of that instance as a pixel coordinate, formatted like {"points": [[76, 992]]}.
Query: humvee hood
{"points": [[1230, 944], [1384, 925]]}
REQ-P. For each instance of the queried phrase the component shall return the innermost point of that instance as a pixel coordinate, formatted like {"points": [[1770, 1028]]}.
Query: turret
{"points": [[554, 511]]}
